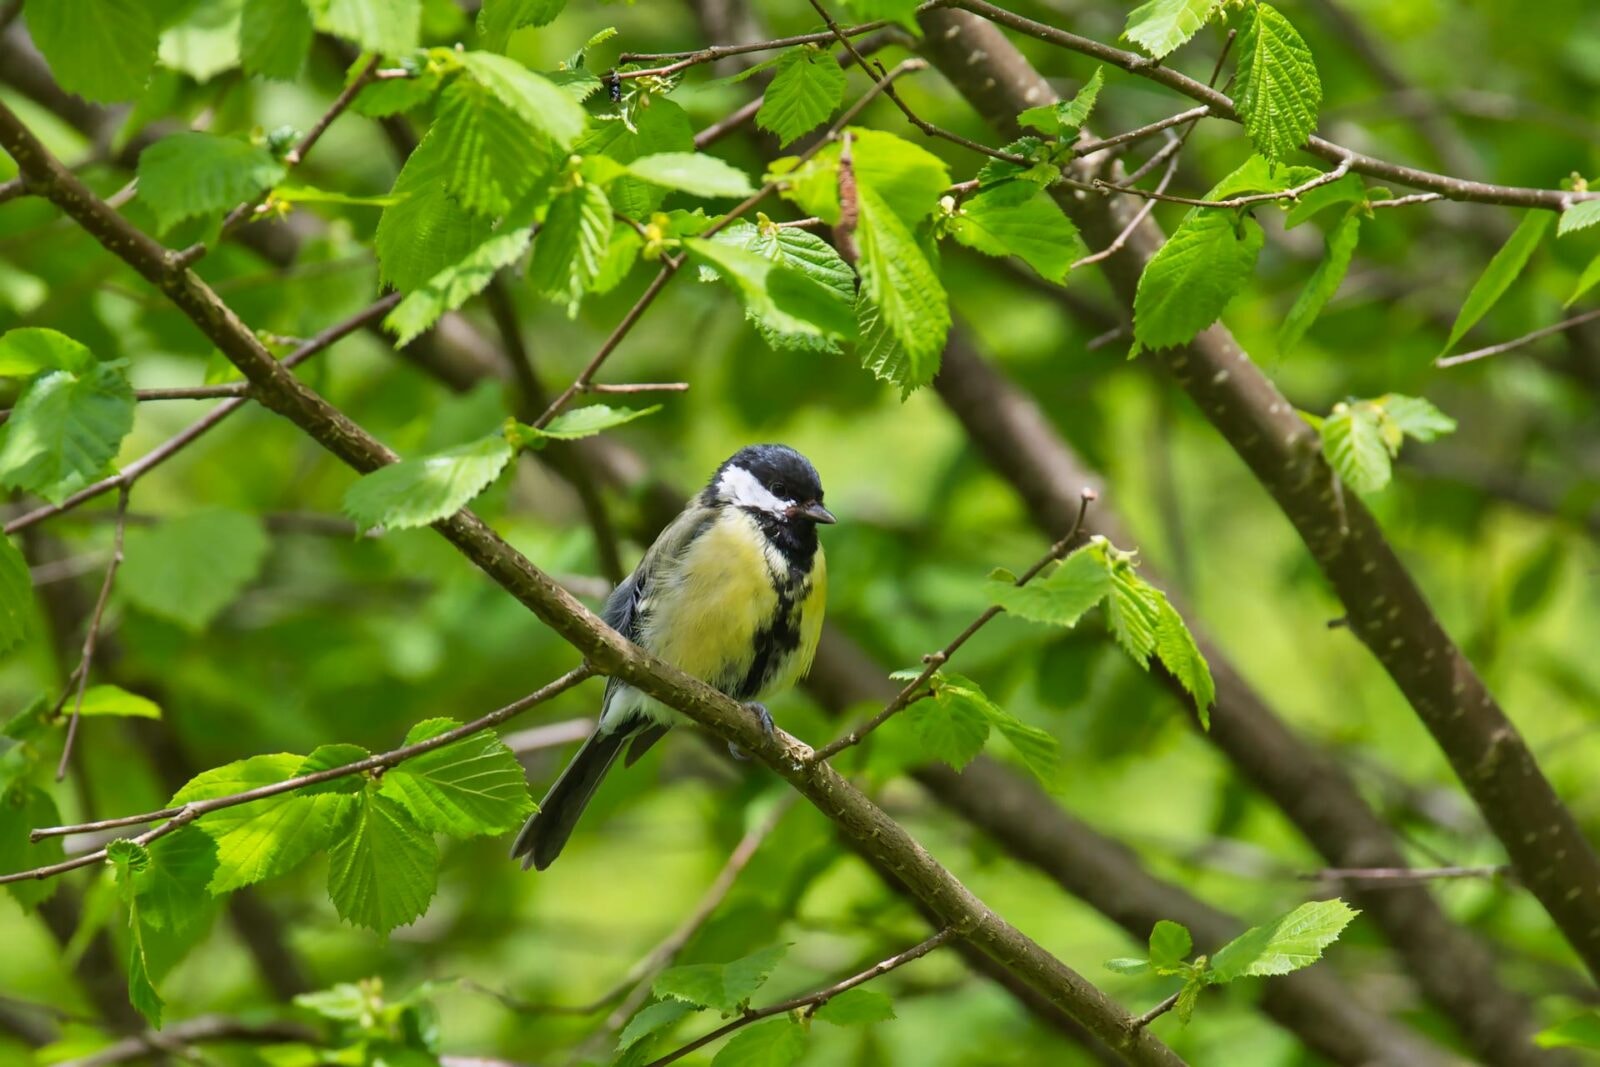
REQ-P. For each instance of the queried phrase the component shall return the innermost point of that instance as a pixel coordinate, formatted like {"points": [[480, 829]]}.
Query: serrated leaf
{"points": [[102, 50], [23, 808], [906, 177], [1586, 281], [1206, 262], [1352, 441], [1502, 270], [498, 19], [1188, 997], [1415, 417], [455, 285], [495, 157], [1035, 230], [693, 173], [1039, 749], [16, 595], [1134, 611], [590, 420], [115, 700], [1065, 116], [470, 787], [189, 174], [173, 886], [1279, 90], [951, 726], [1178, 652], [389, 27], [1286, 944], [420, 491], [1162, 25], [382, 867], [1061, 597], [780, 298], [65, 429], [776, 1042], [326, 758], [652, 1019], [1170, 944], [1258, 174], [26, 352], [722, 986], [1579, 216], [187, 569], [541, 103], [1350, 189], [262, 838], [427, 230], [395, 96], [856, 1007], [898, 281], [571, 248], [1324, 282], [274, 37], [807, 89], [806, 253], [660, 127]]}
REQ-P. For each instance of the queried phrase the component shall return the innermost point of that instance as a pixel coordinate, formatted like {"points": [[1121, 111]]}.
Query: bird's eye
{"points": [[779, 489]]}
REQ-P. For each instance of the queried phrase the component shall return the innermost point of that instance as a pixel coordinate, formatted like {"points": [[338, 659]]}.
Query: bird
{"points": [[731, 592]]}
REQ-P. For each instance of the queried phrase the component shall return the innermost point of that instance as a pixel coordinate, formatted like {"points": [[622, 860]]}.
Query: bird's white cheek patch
{"points": [[740, 488]]}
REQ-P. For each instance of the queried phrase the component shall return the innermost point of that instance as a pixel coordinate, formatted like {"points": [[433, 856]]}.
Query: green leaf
{"points": [[16, 595], [1127, 965], [1580, 1031], [1579, 216], [540, 102], [495, 157], [395, 96], [1286, 944], [22, 809], [692, 172], [497, 19], [1185, 287], [1188, 997], [428, 230], [1415, 417], [420, 491], [326, 758], [1178, 652], [390, 27], [571, 247], [907, 177], [114, 700], [590, 420], [1039, 749], [1279, 90], [173, 887], [776, 1042], [1350, 189], [811, 256], [1062, 596], [187, 569], [189, 174], [1066, 115], [1162, 25], [1170, 944], [652, 1019], [1035, 231], [722, 986], [345, 1002], [26, 352], [202, 42], [856, 1007], [455, 285], [951, 725], [807, 89], [1324, 282], [897, 279], [1259, 174], [274, 37], [1352, 441], [382, 867], [1502, 270], [1134, 611], [129, 859], [262, 838], [102, 50], [1586, 281], [65, 429], [660, 127], [781, 299], [470, 787]]}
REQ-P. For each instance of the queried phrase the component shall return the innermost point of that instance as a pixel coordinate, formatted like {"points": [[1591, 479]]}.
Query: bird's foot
{"points": [[764, 717]]}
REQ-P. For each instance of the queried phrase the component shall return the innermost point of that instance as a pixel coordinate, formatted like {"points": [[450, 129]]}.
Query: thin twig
{"points": [[86, 661], [1090, 147], [241, 214], [685, 60], [811, 1002], [1298, 191], [1142, 1021], [1139, 216], [670, 267], [636, 387], [1404, 875], [161, 453], [187, 813], [914, 690], [1507, 346]]}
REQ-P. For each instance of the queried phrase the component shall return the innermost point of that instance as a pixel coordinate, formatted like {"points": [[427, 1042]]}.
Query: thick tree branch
{"points": [[1387, 610]]}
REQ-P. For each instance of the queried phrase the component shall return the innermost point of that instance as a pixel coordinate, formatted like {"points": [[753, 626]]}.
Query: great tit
{"points": [[732, 592]]}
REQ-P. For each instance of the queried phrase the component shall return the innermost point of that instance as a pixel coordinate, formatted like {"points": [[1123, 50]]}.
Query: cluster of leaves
{"points": [[1287, 943], [1360, 438], [369, 1027], [691, 990]]}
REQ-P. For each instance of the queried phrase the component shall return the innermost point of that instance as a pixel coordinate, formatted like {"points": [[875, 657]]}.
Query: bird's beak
{"points": [[815, 512]]}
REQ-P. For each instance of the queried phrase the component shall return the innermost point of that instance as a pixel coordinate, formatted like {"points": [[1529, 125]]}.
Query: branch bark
{"points": [[1387, 610]]}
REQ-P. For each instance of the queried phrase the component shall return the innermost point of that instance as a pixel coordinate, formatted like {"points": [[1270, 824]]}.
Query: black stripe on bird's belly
{"points": [[776, 641]]}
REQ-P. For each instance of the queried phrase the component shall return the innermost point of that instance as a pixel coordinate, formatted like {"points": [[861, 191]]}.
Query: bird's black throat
{"points": [[795, 539]]}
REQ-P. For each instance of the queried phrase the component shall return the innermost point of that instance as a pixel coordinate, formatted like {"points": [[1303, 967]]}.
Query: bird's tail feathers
{"points": [[546, 833]]}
